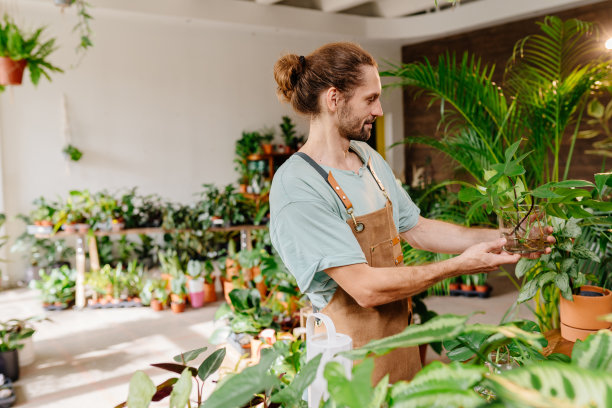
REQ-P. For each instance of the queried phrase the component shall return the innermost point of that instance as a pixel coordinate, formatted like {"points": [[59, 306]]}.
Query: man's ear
{"points": [[332, 99]]}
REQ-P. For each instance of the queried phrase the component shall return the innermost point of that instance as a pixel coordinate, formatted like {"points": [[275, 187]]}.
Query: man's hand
{"points": [[485, 257]]}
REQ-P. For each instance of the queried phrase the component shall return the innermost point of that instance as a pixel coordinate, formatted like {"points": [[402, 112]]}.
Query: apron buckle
{"points": [[359, 227]]}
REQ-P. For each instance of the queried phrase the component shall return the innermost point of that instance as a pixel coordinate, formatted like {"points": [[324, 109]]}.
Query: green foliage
{"points": [[18, 45], [290, 136], [57, 286], [72, 153], [141, 390], [594, 353]]}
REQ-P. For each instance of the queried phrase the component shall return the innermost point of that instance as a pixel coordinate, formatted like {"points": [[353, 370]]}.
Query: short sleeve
{"points": [[310, 238], [408, 211]]}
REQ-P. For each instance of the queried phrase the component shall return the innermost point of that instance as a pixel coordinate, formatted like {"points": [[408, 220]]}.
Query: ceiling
{"points": [[370, 8]]}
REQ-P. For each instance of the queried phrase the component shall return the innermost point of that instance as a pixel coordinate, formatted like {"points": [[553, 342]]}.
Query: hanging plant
{"points": [[83, 26], [72, 153], [19, 50]]}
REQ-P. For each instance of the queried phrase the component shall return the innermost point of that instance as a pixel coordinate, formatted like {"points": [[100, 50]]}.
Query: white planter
{"points": [[195, 285], [27, 354]]}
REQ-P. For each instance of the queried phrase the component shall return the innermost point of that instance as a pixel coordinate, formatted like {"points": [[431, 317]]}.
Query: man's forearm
{"points": [[444, 237]]}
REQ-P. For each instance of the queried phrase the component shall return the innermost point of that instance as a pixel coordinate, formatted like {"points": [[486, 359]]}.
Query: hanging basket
{"points": [[11, 72]]}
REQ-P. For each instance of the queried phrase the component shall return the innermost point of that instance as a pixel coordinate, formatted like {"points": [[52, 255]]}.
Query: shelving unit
{"points": [[272, 159], [94, 260]]}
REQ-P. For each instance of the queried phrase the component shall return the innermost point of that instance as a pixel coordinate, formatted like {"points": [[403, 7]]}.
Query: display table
{"points": [[557, 344], [94, 260]]}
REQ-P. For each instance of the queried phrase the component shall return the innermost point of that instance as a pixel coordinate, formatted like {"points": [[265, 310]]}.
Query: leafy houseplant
{"points": [[267, 136], [142, 391], [248, 144], [178, 293], [72, 153], [19, 50], [290, 136], [56, 287]]}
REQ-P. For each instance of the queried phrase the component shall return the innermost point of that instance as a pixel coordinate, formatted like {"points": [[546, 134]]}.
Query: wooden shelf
{"points": [[64, 234], [263, 156]]}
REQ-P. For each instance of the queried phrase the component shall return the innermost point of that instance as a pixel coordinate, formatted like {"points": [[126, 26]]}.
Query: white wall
{"points": [[157, 103]]}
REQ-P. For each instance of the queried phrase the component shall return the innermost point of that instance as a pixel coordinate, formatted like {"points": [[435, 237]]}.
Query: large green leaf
{"points": [[291, 395], [211, 364], [141, 390], [553, 385], [240, 388], [356, 392], [180, 393], [189, 355], [437, 377], [439, 328], [594, 353]]}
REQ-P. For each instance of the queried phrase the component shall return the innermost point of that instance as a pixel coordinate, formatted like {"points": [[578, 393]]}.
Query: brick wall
{"points": [[493, 45]]}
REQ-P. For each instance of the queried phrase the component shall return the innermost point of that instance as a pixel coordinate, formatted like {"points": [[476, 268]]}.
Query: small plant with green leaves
{"points": [[289, 134], [72, 153], [57, 286], [143, 391], [27, 48]]}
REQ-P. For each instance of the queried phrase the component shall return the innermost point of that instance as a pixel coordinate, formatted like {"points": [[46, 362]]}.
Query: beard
{"points": [[353, 128]]}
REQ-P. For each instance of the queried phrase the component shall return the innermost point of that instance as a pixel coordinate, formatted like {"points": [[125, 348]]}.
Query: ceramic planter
{"points": [[580, 317], [11, 72], [156, 305], [9, 364], [210, 295], [177, 307], [27, 353]]}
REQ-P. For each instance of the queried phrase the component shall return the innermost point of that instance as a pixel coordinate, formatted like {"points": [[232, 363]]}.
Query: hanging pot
{"points": [[9, 364], [11, 72], [580, 317]]}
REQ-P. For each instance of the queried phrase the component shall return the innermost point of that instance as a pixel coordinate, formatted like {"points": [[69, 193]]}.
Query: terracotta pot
{"points": [[210, 295], [580, 317], [243, 188], [423, 353], [11, 72], [156, 305], [453, 286], [287, 150], [466, 288], [46, 223], [267, 148], [228, 286], [177, 307], [69, 228], [260, 286], [482, 288]]}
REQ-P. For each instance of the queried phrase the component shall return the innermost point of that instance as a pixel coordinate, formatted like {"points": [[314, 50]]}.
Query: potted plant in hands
{"points": [[19, 50], [195, 283]]}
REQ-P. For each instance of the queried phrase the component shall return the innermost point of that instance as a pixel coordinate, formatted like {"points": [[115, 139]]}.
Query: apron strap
{"points": [[380, 184]]}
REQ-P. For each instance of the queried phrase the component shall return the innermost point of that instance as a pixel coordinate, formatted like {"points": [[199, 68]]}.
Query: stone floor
{"points": [[86, 358]]}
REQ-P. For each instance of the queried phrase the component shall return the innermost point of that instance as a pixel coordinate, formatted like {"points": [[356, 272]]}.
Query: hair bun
{"points": [[287, 71]]}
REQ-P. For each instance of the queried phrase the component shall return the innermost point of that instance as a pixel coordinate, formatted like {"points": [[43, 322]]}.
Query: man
{"points": [[338, 215]]}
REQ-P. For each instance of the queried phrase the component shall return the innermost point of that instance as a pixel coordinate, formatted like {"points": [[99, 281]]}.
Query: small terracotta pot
{"points": [[243, 188], [156, 305], [228, 286], [177, 307], [453, 286], [46, 223], [482, 288], [210, 295], [580, 317], [466, 288], [267, 148], [11, 72], [260, 286]]}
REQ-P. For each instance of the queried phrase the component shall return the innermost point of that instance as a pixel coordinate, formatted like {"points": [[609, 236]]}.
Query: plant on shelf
{"points": [[267, 136], [178, 294], [42, 215], [248, 144], [142, 390], [291, 138], [56, 287], [19, 50]]}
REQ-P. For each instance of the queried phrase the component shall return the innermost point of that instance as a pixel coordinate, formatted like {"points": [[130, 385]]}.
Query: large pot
{"points": [[9, 364], [27, 353], [580, 317], [11, 72]]}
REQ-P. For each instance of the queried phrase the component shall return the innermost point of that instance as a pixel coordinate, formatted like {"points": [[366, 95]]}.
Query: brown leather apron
{"points": [[380, 243]]}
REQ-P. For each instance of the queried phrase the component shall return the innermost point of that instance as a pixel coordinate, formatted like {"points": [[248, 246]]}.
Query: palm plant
{"points": [[548, 82]]}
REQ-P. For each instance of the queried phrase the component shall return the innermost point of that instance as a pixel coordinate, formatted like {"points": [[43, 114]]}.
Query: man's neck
{"points": [[327, 147]]}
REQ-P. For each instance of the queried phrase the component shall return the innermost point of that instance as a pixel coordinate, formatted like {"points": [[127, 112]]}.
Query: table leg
{"points": [[245, 239], [80, 277]]}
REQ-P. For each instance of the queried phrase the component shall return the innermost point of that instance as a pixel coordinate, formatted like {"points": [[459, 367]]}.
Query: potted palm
{"points": [[19, 50]]}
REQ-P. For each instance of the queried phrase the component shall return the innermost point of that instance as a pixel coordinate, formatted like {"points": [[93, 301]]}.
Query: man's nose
{"points": [[378, 111]]}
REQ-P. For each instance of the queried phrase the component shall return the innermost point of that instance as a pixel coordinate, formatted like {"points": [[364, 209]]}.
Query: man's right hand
{"points": [[485, 257]]}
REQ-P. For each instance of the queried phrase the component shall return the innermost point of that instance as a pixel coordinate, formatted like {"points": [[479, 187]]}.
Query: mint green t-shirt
{"points": [[308, 221]]}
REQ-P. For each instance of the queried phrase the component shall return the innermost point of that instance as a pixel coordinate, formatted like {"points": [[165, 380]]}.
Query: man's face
{"points": [[356, 115]]}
